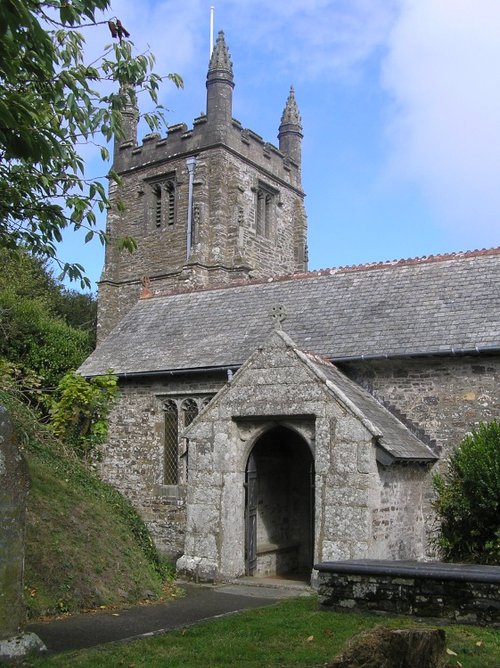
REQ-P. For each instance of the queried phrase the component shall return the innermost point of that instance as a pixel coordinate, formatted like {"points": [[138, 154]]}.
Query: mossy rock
{"points": [[389, 648]]}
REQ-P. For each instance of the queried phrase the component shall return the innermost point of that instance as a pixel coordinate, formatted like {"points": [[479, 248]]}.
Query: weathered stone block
{"points": [[14, 486], [16, 648], [351, 430]]}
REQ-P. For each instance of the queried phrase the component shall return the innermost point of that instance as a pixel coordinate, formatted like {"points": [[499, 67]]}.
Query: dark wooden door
{"points": [[312, 514], [251, 515]]}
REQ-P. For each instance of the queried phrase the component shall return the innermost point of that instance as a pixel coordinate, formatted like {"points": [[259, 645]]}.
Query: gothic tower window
{"points": [[157, 203], [162, 203], [265, 211], [170, 201]]}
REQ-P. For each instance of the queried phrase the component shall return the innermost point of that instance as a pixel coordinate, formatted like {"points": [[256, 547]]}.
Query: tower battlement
{"points": [[183, 141]]}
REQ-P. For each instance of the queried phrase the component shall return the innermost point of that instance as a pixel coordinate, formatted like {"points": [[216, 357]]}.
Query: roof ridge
{"points": [[370, 266]]}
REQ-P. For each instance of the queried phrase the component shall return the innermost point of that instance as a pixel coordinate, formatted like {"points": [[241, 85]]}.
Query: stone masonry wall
{"points": [[444, 401], [399, 518], [14, 486], [457, 599], [133, 457], [362, 508], [442, 397]]}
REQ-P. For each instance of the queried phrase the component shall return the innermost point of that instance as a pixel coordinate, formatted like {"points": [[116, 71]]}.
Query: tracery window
{"points": [[179, 412], [171, 449]]}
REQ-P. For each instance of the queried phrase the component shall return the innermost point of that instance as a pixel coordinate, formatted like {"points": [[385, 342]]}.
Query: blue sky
{"points": [[400, 103]]}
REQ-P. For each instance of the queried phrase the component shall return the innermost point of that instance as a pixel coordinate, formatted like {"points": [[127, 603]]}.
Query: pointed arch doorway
{"points": [[279, 505]]}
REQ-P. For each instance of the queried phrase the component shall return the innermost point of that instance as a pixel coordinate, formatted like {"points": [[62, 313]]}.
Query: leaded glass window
{"points": [[190, 409], [179, 412], [171, 451]]}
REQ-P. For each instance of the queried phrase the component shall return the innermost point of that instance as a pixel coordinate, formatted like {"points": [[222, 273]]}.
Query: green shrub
{"points": [[38, 342], [80, 409], [468, 498], [45, 329]]}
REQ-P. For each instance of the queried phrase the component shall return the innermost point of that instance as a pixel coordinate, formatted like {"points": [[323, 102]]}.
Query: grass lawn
{"points": [[291, 633]]}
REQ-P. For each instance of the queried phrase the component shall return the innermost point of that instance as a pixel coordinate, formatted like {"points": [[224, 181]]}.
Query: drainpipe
{"points": [[190, 164]]}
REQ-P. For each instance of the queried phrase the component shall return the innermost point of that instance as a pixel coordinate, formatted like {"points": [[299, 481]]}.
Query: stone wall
{"points": [[459, 593], [402, 515], [362, 508], [133, 457], [441, 399]]}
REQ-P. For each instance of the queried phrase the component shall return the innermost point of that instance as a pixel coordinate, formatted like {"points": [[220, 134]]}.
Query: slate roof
{"points": [[396, 439], [415, 307]]}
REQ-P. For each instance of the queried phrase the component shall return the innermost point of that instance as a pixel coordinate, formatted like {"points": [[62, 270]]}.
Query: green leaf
{"points": [[51, 106]]}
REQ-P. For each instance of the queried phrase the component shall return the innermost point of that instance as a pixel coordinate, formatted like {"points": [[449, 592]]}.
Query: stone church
{"points": [[270, 417]]}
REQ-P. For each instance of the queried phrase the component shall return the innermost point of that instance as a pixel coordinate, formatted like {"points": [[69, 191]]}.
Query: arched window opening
{"points": [[190, 410], [161, 209], [265, 210], [171, 451], [179, 413], [157, 204]]}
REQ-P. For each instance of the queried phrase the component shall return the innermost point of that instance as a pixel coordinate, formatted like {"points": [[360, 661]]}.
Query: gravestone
{"points": [[14, 487]]}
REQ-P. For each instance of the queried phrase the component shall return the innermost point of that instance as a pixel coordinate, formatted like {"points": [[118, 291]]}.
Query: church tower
{"points": [[206, 206]]}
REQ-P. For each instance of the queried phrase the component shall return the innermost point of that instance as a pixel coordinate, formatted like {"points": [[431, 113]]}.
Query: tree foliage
{"points": [[41, 335], [51, 102], [468, 498], [37, 342], [45, 335]]}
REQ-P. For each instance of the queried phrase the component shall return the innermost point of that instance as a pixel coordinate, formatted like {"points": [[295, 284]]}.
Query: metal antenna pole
{"points": [[211, 30]]}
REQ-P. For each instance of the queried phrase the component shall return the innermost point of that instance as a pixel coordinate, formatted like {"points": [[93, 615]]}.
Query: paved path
{"points": [[199, 603]]}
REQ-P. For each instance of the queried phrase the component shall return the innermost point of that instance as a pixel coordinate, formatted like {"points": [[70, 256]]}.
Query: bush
{"points": [[468, 498], [45, 330], [79, 412]]}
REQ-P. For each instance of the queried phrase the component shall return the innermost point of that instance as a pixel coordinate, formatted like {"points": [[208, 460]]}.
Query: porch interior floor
{"points": [[291, 581]]}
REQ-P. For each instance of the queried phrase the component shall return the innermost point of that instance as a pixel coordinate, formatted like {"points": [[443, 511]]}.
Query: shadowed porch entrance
{"points": [[279, 508]]}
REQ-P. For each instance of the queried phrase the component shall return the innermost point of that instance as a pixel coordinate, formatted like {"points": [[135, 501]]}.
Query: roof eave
{"points": [[165, 372], [447, 352], [452, 351], [387, 458]]}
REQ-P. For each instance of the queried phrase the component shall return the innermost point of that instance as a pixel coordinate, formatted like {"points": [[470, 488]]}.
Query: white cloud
{"points": [[166, 28], [443, 76], [312, 38]]}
